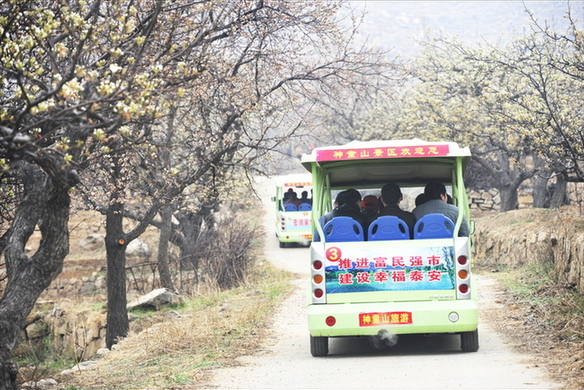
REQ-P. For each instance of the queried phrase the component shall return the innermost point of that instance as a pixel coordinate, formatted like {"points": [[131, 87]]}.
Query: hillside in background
{"points": [[398, 24]]}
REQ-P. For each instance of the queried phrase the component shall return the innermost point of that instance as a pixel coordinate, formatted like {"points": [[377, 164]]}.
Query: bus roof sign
{"points": [[412, 148], [342, 153], [362, 163]]}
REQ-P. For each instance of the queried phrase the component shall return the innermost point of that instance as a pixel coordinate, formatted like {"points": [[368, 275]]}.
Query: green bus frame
{"points": [[287, 233], [367, 165]]}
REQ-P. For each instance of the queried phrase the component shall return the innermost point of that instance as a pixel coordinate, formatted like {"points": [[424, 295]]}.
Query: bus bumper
{"points": [[367, 319], [301, 237]]}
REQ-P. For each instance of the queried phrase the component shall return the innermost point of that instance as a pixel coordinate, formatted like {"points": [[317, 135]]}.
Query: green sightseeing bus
{"points": [[390, 283], [293, 222]]}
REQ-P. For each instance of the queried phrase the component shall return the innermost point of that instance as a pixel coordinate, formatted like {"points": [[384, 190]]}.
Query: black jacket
{"points": [[405, 216], [349, 210]]}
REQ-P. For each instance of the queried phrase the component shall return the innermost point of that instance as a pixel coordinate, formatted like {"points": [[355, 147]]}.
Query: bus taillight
{"points": [[462, 276], [330, 321], [318, 281]]}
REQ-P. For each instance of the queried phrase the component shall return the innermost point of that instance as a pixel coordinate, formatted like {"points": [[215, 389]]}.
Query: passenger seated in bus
{"points": [[420, 199], [287, 195], [370, 206], [304, 198], [391, 196], [347, 205], [293, 199], [341, 196], [436, 202]]}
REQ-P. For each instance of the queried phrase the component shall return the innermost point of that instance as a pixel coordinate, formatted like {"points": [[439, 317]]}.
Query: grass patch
{"points": [[551, 319], [38, 359], [556, 307], [213, 329]]}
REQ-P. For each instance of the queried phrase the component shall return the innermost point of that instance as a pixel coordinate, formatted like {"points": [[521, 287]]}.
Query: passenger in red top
{"points": [[370, 206]]}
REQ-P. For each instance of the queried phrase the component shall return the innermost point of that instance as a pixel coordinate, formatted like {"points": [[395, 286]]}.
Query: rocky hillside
{"points": [[521, 237]]}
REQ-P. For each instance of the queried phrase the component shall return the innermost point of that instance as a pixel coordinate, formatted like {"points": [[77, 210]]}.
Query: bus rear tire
{"points": [[469, 341], [318, 346]]}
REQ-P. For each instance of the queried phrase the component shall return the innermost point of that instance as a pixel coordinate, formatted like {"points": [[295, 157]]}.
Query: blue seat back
{"points": [[304, 207], [434, 226], [388, 227], [290, 207], [341, 229]]}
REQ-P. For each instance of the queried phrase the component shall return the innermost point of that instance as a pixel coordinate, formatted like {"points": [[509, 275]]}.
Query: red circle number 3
{"points": [[333, 254]]}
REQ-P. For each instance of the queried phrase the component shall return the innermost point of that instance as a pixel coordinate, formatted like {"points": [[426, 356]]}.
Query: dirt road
{"points": [[416, 362]]}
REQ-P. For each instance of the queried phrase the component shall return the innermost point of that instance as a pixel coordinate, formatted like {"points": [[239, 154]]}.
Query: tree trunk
{"points": [[190, 227], [540, 190], [559, 195], [46, 204], [508, 195], [115, 243], [507, 178], [540, 183], [164, 241]]}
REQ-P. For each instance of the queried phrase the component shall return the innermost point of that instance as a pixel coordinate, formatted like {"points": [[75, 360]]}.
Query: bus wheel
{"points": [[319, 346], [469, 341]]}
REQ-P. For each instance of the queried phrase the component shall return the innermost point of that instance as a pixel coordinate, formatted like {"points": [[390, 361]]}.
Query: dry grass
{"points": [[174, 353], [544, 319]]}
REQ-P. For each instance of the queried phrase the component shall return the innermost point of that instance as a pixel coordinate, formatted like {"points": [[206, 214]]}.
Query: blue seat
{"points": [[305, 207], [340, 229], [434, 226], [290, 207], [388, 227]]}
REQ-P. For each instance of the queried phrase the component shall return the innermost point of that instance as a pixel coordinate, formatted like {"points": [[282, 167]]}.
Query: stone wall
{"points": [[490, 200], [528, 236]]}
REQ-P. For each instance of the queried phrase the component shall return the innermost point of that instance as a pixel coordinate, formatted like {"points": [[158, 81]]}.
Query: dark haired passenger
{"points": [[304, 197], [293, 199], [287, 195], [350, 207], [436, 202], [348, 204], [420, 199], [391, 196]]}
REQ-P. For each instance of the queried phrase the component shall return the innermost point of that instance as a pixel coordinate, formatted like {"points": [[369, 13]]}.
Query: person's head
{"points": [[435, 190], [304, 194], [341, 198], [354, 196], [391, 194], [370, 203], [420, 199]]}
